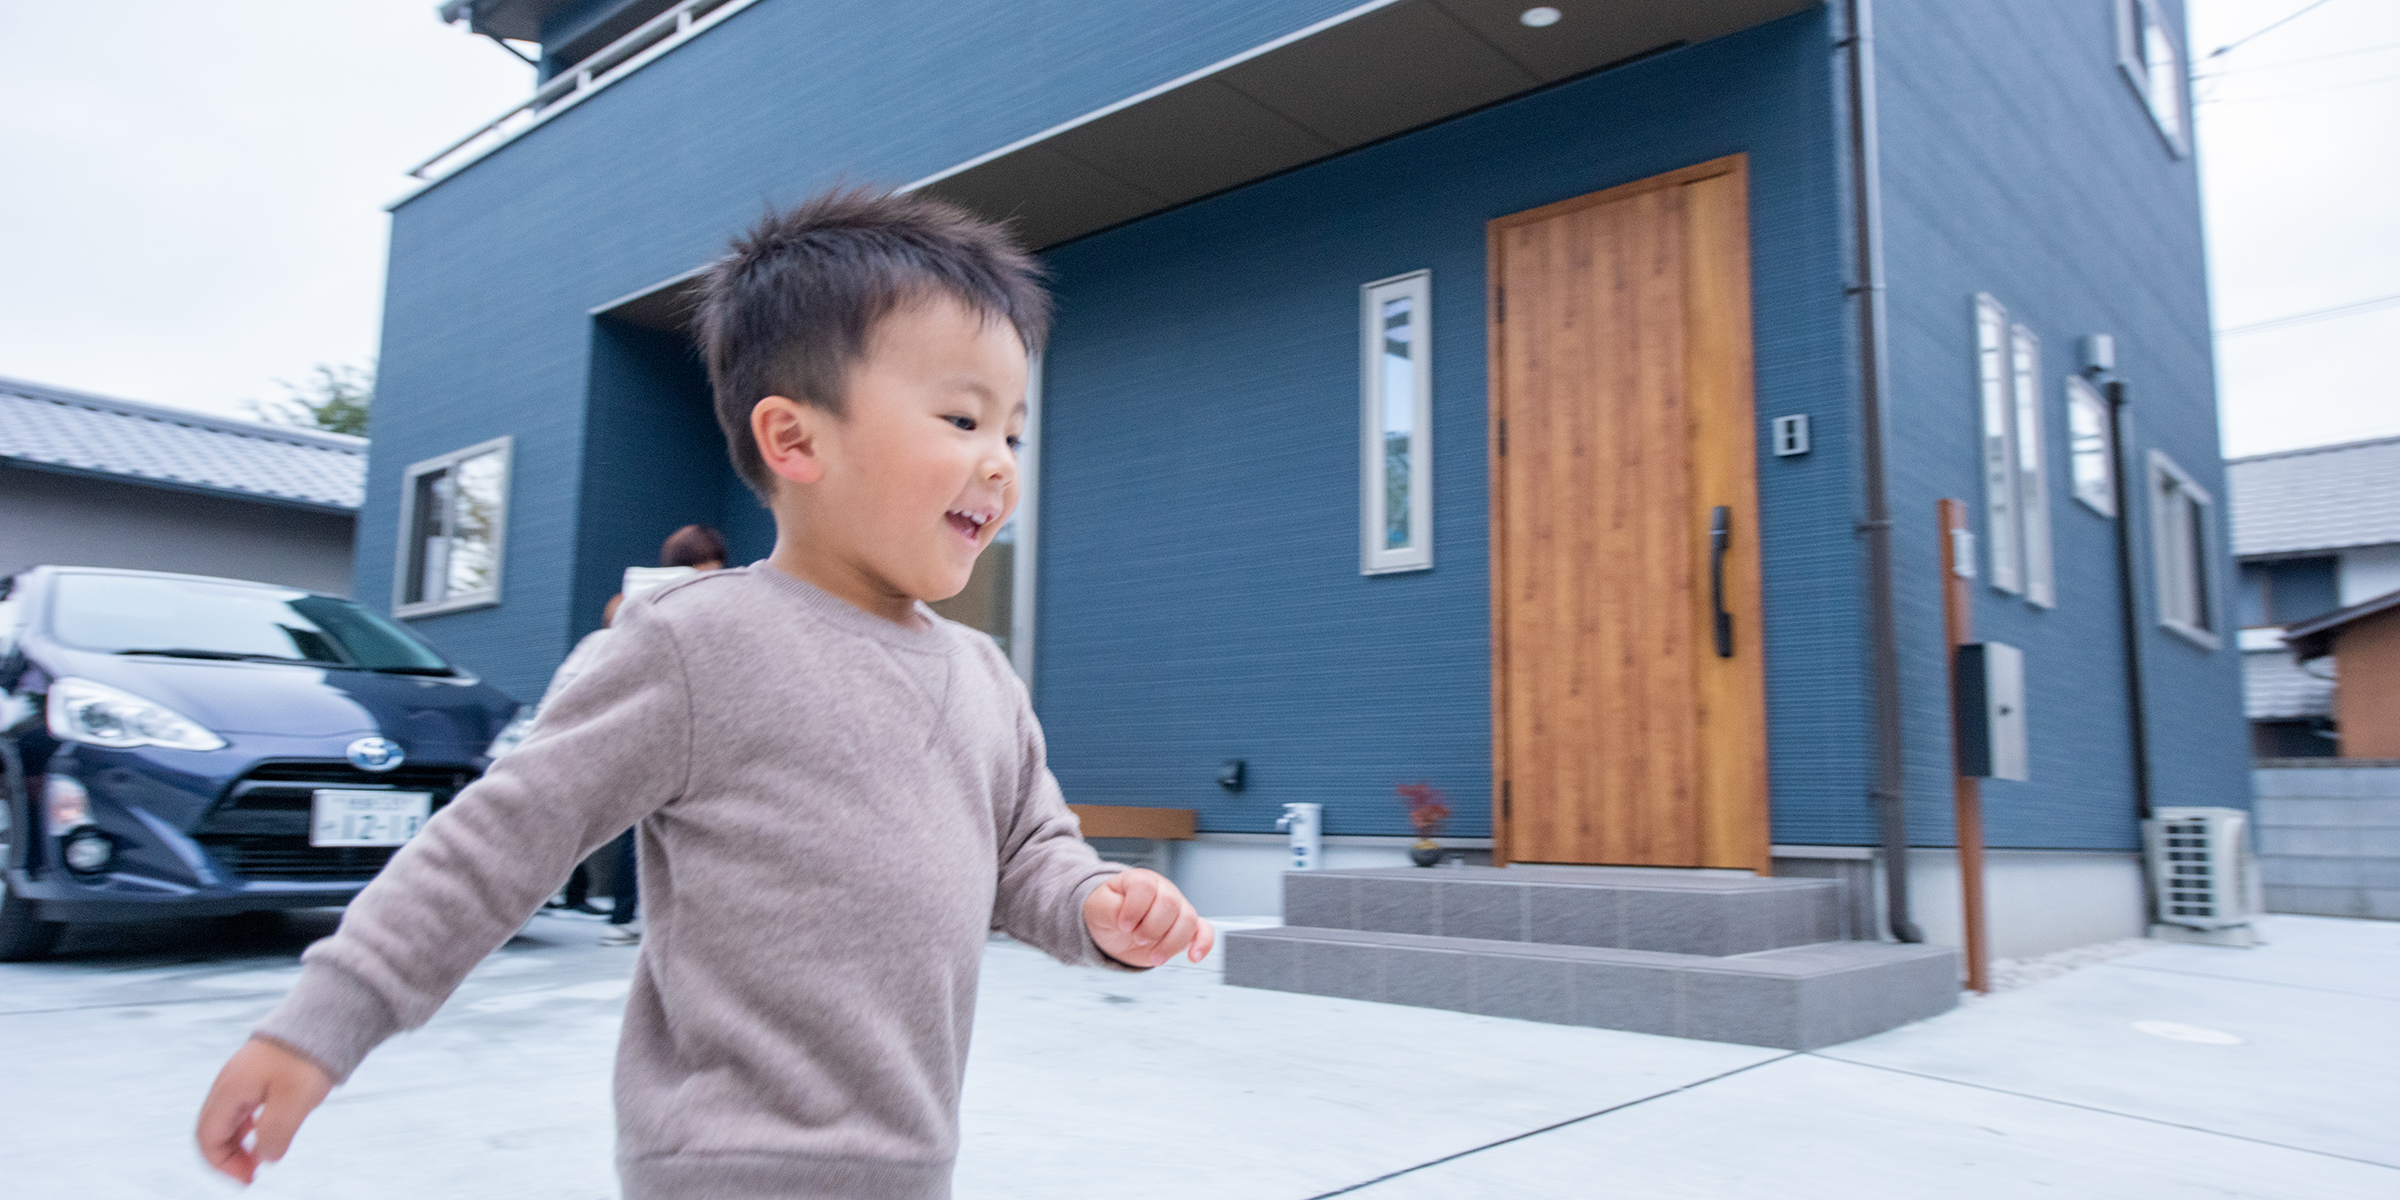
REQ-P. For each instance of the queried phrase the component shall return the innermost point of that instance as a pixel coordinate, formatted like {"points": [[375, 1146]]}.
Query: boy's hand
{"points": [[1141, 919], [264, 1090]]}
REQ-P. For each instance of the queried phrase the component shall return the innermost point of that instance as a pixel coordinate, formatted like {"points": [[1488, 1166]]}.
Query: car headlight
{"points": [[512, 734], [99, 715]]}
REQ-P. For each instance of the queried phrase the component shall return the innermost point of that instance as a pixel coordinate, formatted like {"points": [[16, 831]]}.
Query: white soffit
{"points": [[1377, 70]]}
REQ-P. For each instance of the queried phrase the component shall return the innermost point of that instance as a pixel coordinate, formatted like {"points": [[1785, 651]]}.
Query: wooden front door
{"points": [[1630, 717]]}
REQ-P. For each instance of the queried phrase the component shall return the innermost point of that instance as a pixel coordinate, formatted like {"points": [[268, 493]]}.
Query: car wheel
{"points": [[23, 936]]}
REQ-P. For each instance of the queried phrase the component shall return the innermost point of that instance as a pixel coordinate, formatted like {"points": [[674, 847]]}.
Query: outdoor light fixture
{"points": [[88, 851], [1540, 18], [1230, 775]]}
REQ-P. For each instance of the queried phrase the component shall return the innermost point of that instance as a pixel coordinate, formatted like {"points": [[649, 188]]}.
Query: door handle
{"points": [[1720, 535]]}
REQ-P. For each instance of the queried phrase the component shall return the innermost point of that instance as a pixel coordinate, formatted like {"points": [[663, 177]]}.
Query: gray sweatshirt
{"points": [[833, 811]]}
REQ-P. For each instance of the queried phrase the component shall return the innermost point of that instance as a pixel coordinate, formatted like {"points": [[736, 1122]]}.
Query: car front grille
{"points": [[259, 830]]}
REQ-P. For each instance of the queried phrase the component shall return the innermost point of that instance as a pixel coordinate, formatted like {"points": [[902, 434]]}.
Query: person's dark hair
{"points": [[692, 545], [789, 312]]}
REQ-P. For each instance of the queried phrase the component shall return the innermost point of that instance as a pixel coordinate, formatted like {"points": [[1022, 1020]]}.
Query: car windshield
{"points": [[193, 618]]}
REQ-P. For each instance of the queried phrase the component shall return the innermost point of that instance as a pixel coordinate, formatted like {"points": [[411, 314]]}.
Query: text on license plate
{"points": [[360, 818]]}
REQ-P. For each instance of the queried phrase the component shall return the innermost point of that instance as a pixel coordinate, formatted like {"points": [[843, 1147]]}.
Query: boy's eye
{"points": [[1015, 444], [966, 423]]}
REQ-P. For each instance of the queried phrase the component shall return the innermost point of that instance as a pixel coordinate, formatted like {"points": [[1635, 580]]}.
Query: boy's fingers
{"points": [[1141, 892], [1206, 942], [278, 1122], [1157, 923], [1187, 926], [223, 1121]]}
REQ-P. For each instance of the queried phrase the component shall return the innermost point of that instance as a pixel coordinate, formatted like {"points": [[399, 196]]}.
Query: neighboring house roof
{"points": [[2314, 638], [59, 429], [2277, 688], [2322, 498]]}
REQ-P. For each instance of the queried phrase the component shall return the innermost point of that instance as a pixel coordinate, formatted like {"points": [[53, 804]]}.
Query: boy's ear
{"points": [[790, 437]]}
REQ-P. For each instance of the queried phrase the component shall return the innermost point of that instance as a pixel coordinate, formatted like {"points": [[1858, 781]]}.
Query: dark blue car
{"points": [[177, 745]]}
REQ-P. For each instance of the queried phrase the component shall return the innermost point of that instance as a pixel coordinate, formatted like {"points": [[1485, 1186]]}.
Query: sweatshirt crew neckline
{"points": [[923, 633]]}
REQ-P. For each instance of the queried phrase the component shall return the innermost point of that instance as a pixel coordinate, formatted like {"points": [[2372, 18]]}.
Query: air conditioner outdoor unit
{"points": [[2204, 873]]}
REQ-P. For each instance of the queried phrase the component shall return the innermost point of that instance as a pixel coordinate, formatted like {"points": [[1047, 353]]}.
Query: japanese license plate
{"points": [[359, 818]]}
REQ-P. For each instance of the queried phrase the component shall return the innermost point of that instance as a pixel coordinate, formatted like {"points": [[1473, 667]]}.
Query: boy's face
{"points": [[921, 470]]}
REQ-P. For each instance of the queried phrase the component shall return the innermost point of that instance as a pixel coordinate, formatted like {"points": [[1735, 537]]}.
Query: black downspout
{"points": [[1889, 793], [2120, 430]]}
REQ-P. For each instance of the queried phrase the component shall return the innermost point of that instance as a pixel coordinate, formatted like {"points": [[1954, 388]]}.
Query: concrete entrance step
{"points": [[1629, 908], [1797, 998]]}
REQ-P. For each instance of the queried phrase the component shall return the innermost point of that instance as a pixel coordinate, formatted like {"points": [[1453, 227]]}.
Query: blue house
{"points": [[1548, 403]]}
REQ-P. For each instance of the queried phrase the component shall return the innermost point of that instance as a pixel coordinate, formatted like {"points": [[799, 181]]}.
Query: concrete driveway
{"points": [[2178, 1071]]}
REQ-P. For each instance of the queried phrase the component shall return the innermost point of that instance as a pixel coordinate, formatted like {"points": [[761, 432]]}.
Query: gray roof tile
{"points": [[2323, 498], [56, 427]]}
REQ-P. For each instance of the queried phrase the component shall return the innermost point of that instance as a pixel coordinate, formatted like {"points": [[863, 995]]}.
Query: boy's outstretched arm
{"points": [[264, 1090], [614, 747], [1140, 918]]}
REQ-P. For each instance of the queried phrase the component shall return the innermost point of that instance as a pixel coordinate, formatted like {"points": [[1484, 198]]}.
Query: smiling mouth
{"points": [[969, 524]]}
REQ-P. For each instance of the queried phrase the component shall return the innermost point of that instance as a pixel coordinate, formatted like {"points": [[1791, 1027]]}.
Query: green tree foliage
{"points": [[335, 399]]}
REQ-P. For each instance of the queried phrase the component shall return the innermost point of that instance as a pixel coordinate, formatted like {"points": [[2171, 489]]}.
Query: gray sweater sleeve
{"points": [[614, 746], [1046, 868]]}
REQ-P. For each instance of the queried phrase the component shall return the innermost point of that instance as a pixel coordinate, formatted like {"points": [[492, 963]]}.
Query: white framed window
{"points": [[453, 521], [1395, 372], [2152, 62], [2033, 472], [2091, 447], [2181, 514], [1999, 447]]}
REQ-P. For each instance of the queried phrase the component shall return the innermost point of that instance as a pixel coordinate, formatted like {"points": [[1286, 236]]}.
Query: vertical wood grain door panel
{"points": [[1623, 420]]}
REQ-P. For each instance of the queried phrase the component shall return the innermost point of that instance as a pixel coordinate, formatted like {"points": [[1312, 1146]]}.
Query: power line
{"points": [[2277, 25], [2294, 62], [2319, 314]]}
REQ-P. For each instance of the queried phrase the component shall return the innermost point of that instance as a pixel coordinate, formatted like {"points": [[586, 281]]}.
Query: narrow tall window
{"points": [[2033, 492], [2180, 516], [2152, 63], [453, 520], [1999, 446], [1395, 425], [2091, 447]]}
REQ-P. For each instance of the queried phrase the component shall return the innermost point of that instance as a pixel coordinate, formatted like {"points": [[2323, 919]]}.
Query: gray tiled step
{"points": [[1798, 998], [1679, 912]]}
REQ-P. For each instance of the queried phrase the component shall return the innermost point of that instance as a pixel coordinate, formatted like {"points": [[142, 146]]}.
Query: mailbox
{"points": [[1991, 711]]}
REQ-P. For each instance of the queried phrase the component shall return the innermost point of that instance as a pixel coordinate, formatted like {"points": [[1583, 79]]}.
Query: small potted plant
{"points": [[1426, 812]]}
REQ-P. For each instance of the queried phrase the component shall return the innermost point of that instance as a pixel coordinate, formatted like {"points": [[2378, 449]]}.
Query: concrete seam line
{"points": [[31, 1012], [1435, 1162], [1985, 1087], [2297, 987]]}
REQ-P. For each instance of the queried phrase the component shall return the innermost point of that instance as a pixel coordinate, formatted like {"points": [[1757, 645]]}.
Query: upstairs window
{"points": [[2033, 474], [2152, 63], [1396, 425], [453, 518], [2181, 514], [2091, 447]]}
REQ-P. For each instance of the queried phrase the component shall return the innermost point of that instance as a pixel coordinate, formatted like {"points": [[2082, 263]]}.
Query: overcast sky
{"points": [[194, 194]]}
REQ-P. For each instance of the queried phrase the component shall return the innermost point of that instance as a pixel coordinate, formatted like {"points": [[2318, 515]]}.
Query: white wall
{"points": [[2035, 901], [2368, 572], [53, 519]]}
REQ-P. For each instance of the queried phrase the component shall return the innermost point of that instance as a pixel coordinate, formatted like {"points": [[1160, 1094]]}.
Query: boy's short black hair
{"points": [[790, 311]]}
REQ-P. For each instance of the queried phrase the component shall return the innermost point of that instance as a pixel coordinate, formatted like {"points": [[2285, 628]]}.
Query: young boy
{"points": [[837, 794]]}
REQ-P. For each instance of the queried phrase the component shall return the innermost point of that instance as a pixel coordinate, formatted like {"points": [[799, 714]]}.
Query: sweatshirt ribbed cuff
{"points": [[332, 1017]]}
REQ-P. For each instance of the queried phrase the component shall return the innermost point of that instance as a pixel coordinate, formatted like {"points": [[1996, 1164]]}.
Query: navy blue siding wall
{"points": [[653, 460], [1200, 594], [2017, 162], [494, 270]]}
